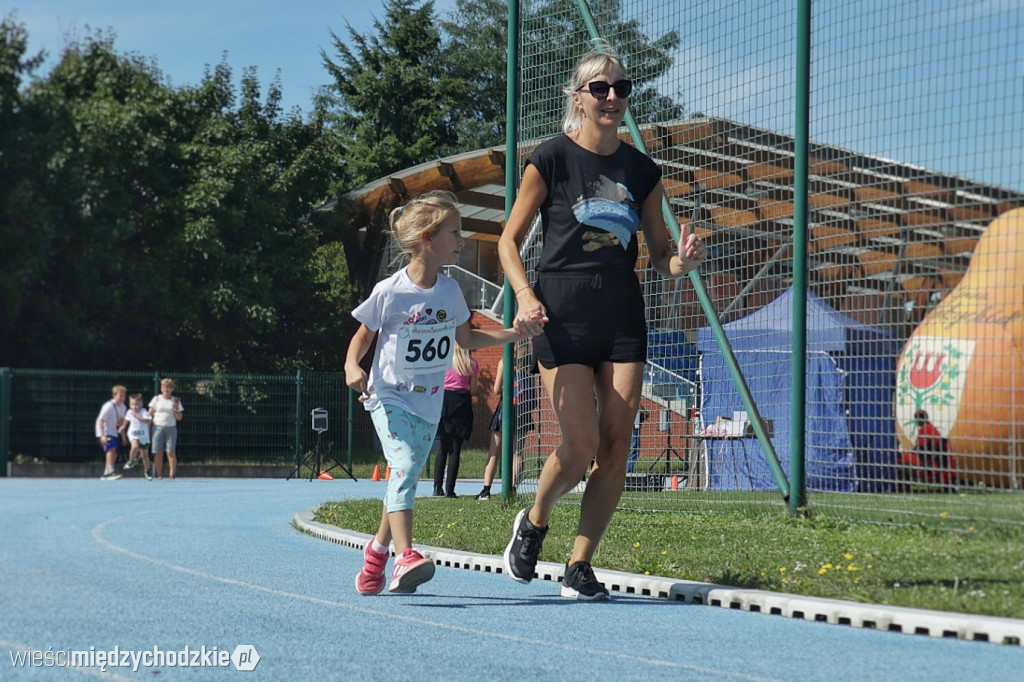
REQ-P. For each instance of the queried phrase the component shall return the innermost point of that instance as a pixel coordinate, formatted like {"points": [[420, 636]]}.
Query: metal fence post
{"points": [[5, 419], [298, 418], [798, 408]]}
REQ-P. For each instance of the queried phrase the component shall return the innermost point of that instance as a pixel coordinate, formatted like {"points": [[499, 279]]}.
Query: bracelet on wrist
{"points": [[521, 289]]}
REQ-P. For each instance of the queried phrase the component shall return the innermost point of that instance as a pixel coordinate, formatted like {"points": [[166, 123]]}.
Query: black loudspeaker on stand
{"points": [[318, 458]]}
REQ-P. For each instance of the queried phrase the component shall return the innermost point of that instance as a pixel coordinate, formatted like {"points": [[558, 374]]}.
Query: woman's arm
{"points": [[498, 372], [664, 259], [530, 315]]}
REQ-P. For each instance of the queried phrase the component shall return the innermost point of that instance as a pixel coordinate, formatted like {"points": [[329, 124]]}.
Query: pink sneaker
{"points": [[411, 570], [370, 580]]}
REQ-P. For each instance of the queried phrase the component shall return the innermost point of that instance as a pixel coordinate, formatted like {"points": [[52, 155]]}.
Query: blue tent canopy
{"points": [[850, 438]]}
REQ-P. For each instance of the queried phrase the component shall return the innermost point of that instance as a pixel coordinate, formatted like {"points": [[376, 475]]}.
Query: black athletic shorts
{"points": [[593, 317]]}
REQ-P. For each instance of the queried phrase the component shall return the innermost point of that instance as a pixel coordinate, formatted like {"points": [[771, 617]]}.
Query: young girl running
{"points": [[419, 314]]}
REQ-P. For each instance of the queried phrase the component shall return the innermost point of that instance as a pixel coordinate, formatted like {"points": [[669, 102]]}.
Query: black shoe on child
{"points": [[524, 548], [438, 492], [580, 583], [485, 494]]}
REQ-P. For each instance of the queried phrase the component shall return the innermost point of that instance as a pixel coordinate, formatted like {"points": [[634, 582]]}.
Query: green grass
{"points": [[916, 566]]}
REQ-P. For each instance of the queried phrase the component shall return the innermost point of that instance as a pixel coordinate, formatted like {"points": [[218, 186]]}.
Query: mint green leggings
{"points": [[407, 440]]}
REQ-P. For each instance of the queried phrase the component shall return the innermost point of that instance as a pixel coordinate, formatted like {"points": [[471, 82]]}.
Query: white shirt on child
{"points": [[138, 425], [109, 419], [415, 344]]}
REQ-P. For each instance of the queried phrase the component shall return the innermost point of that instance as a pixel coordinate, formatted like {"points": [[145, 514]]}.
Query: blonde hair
{"points": [[135, 398], [167, 382], [462, 361], [118, 389], [593, 63], [420, 218]]}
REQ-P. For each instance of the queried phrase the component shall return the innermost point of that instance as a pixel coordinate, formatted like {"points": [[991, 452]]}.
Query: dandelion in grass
{"points": [[636, 545], [847, 556]]}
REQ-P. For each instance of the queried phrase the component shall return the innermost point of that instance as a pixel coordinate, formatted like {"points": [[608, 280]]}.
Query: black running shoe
{"points": [[524, 548], [580, 583]]}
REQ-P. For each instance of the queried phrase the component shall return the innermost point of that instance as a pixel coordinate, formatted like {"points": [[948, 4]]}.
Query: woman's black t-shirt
{"points": [[592, 211]]}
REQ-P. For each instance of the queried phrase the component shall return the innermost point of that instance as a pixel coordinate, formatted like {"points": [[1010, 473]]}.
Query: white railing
{"points": [[481, 294]]}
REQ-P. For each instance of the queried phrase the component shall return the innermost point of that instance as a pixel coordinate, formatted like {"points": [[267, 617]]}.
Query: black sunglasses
{"points": [[599, 89]]}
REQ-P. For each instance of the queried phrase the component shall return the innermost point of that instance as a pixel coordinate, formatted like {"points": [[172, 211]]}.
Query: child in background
{"points": [[456, 418], [136, 423], [108, 429], [419, 314]]}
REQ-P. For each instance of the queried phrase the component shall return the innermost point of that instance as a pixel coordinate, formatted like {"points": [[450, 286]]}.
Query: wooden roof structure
{"points": [[876, 226]]}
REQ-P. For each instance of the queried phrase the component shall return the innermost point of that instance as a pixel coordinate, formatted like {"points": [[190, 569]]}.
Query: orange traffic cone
{"points": [[376, 473], [324, 476], [387, 473], [675, 482]]}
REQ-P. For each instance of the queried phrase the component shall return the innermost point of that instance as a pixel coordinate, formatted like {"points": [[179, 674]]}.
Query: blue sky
{"points": [[934, 83], [185, 36]]}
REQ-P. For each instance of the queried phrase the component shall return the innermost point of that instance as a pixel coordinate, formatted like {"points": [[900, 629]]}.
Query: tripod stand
{"points": [[315, 459], [669, 452], [318, 455]]}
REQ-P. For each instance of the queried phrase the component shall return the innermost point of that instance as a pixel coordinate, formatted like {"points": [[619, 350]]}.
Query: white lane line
{"points": [[97, 534]]}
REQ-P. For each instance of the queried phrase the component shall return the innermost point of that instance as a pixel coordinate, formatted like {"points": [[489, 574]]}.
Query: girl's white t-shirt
{"points": [[415, 343]]}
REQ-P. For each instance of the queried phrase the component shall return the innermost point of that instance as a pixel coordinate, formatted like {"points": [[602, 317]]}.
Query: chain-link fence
{"points": [[258, 419], [914, 299]]}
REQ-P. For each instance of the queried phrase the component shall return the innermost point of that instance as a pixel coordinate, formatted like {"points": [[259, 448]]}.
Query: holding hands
{"points": [[530, 316]]}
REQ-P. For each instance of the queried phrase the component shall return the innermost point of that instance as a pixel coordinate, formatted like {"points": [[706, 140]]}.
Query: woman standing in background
{"points": [[167, 411], [456, 424]]}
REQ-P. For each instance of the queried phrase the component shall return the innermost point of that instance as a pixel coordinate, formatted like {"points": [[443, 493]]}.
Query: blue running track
{"points": [[165, 565]]}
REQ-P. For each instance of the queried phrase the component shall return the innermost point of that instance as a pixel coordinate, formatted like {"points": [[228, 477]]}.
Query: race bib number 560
{"points": [[424, 349]]}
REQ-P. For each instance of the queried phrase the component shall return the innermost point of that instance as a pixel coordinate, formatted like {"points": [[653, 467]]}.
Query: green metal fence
{"points": [[49, 415]]}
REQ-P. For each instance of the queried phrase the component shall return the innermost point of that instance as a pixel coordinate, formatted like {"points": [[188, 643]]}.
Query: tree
{"points": [[19, 258], [392, 100], [554, 37], [168, 227], [476, 54]]}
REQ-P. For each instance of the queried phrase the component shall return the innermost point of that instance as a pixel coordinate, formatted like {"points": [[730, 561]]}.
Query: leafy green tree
{"points": [[247, 251], [392, 99], [476, 55], [19, 258], [554, 39], [92, 165], [168, 227]]}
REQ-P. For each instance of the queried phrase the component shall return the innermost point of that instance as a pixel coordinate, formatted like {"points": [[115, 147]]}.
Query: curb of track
{"points": [[943, 624]]}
